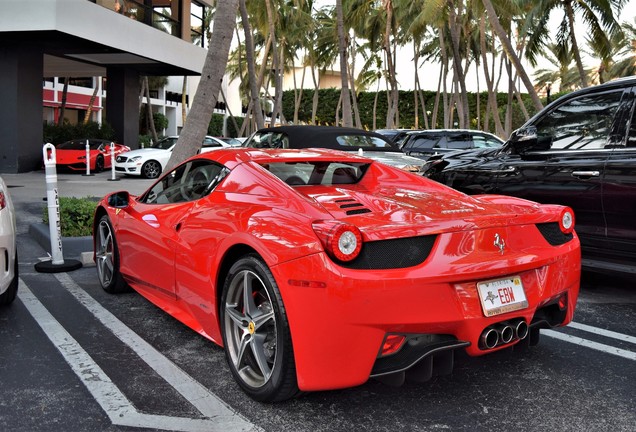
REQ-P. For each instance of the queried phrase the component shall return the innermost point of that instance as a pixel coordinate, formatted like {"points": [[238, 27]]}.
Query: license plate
{"points": [[502, 295]]}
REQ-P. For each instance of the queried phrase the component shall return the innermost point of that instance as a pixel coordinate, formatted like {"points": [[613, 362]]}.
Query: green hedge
{"points": [[215, 128], [76, 216], [328, 102], [55, 134]]}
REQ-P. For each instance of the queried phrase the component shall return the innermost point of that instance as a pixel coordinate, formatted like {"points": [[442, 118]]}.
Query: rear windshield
{"points": [[422, 142], [317, 173], [364, 141]]}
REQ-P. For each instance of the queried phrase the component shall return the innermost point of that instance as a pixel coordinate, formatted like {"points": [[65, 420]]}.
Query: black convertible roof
{"points": [[308, 136]]}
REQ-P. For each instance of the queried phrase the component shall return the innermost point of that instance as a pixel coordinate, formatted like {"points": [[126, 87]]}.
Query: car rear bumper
{"points": [[338, 329]]}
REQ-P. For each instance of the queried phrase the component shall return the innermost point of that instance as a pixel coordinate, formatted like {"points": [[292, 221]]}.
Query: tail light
{"points": [[3, 200], [566, 220], [342, 241]]}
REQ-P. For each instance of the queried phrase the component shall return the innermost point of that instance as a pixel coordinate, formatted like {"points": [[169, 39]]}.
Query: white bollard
{"points": [[88, 159], [53, 204], [57, 263], [113, 177]]}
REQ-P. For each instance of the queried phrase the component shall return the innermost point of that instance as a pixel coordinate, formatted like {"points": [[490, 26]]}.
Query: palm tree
{"points": [[251, 67], [624, 63], [510, 52], [598, 15], [345, 97], [207, 93]]}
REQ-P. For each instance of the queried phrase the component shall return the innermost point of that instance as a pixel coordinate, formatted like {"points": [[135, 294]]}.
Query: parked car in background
{"points": [[396, 136], [71, 155], [370, 144], [234, 142], [316, 269], [579, 151], [9, 255], [149, 162], [426, 143]]}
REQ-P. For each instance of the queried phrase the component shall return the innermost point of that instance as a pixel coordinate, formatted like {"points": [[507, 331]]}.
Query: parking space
{"points": [[73, 357]]}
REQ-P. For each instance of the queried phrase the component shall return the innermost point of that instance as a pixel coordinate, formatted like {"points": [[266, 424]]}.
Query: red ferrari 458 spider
{"points": [[318, 269], [72, 154]]}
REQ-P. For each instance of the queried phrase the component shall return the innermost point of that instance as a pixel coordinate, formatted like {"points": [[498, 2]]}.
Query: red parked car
{"points": [[318, 269], [71, 155]]}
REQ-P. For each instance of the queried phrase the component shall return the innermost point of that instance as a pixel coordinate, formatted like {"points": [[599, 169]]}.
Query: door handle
{"points": [[177, 227], [586, 173]]}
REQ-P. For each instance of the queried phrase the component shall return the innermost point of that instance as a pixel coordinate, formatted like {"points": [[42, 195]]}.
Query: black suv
{"points": [[579, 151]]}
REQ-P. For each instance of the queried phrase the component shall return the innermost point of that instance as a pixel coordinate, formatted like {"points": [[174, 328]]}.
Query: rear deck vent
{"points": [[358, 211]]}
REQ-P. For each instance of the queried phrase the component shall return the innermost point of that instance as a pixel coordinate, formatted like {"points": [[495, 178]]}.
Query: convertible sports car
{"points": [[318, 269], [71, 155]]}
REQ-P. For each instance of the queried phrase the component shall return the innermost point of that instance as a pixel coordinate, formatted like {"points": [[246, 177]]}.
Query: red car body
{"points": [[72, 154], [411, 296]]}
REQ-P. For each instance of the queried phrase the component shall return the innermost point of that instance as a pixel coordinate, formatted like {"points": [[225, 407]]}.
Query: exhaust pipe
{"points": [[506, 333], [521, 330], [489, 338]]}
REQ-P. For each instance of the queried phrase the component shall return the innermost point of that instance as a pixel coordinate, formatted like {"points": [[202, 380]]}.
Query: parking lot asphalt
{"points": [[64, 334]]}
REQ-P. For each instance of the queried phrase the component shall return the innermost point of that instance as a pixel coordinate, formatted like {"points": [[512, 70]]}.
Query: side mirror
{"points": [[527, 139], [119, 199]]}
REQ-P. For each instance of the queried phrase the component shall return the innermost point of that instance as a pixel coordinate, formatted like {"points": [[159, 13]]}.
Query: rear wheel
{"points": [[256, 333], [107, 258], [8, 296], [151, 169]]}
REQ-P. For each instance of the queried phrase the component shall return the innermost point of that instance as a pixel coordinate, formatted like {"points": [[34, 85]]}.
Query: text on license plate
{"points": [[502, 295]]}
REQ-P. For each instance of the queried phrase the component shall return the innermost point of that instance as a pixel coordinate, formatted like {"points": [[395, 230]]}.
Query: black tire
{"points": [[265, 368], [151, 169], [107, 258], [7, 297], [99, 164]]}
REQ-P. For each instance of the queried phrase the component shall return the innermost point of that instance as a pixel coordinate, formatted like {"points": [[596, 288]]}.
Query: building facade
{"points": [[119, 40]]}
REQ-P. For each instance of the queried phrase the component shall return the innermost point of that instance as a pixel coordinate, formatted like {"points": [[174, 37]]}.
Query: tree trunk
{"points": [[184, 100], [507, 46], [457, 66], [275, 62], [149, 116], [251, 70], [345, 98], [314, 102], [91, 103], [209, 87], [575, 46], [60, 117], [492, 95], [392, 101]]}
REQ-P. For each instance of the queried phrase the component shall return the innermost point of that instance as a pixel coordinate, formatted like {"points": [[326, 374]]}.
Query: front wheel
{"points": [[107, 258], [99, 164], [151, 169], [256, 333]]}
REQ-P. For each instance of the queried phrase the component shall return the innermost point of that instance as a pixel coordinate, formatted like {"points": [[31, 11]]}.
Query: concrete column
{"points": [[122, 104], [21, 112]]}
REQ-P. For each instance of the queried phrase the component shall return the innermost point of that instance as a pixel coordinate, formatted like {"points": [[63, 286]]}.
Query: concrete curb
{"points": [[73, 247]]}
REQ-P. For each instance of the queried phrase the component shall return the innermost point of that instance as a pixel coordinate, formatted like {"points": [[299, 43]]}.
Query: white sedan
{"points": [[8, 249], [150, 162]]}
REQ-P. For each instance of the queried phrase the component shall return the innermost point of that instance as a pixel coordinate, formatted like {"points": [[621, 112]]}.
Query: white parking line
{"points": [[603, 332], [116, 405], [590, 344]]}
